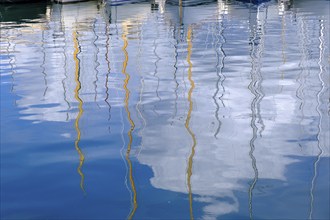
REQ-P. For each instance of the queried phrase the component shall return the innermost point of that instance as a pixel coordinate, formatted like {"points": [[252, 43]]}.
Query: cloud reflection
{"points": [[236, 103]]}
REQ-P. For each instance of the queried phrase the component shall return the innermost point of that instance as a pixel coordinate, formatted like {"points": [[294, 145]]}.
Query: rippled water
{"points": [[153, 110]]}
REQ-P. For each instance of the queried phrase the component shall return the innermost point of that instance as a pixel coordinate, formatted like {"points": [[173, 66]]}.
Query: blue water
{"points": [[213, 110]]}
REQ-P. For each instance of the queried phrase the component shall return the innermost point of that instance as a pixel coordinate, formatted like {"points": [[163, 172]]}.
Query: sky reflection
{"points": [[219, 110]]}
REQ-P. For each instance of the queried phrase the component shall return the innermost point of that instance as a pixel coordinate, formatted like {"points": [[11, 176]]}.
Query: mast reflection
{"points": [[257, 44], [106, 99], [192, 153], [221, 77], [130, 136], [319, 144], [80, 108]]}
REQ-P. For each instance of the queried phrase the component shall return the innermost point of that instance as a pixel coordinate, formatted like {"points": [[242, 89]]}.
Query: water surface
{"points": [[159, 111]]}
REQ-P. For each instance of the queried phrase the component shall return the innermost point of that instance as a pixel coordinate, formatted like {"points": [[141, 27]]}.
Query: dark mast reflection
{"points": [[175, 71], [256, 43], [219, 70], [106, 100], [97, 64], [43, 63]]}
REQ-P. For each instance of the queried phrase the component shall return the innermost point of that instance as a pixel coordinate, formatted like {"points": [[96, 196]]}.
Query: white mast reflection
{"points": [[319, 102]]}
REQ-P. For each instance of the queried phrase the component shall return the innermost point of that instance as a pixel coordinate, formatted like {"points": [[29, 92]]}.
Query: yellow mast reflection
{"points": [[129, 146], [192, 86], [76, 95]]}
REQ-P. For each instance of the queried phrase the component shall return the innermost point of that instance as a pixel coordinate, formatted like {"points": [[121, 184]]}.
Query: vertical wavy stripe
{"points": [[43, 63], [138, 105], [96, 62], [80, 108], [187, 124], [320, 148], [155, 74], [106, 100], [253, 89], [65, 75], [129, 146], [220, 76], [175, 74]]}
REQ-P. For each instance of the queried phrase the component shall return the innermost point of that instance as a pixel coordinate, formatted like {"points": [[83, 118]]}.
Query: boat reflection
{"points": [[186, 3], [17, 13], [123, 2], [256, 2], [284, 5]]}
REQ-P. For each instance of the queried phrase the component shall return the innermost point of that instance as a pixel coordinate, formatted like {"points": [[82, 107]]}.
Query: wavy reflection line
{"points": [[300, 78], [253, 90], [306, 44], [283, 48], [187, 124], [217, 88], [175, 74], [106, 100], [302, 46], [156, 75], [221, 77], [65, 70], [261, 94], [64, 79], [97, 65], [223, 54], [129, 146], [122, 149], [138, 105], [206, 41], [315, 165], [80, 108], [43, 63], [11, 64]]}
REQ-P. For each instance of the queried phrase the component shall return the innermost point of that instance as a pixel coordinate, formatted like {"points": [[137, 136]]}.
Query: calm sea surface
{"points": [[217, 110]]}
